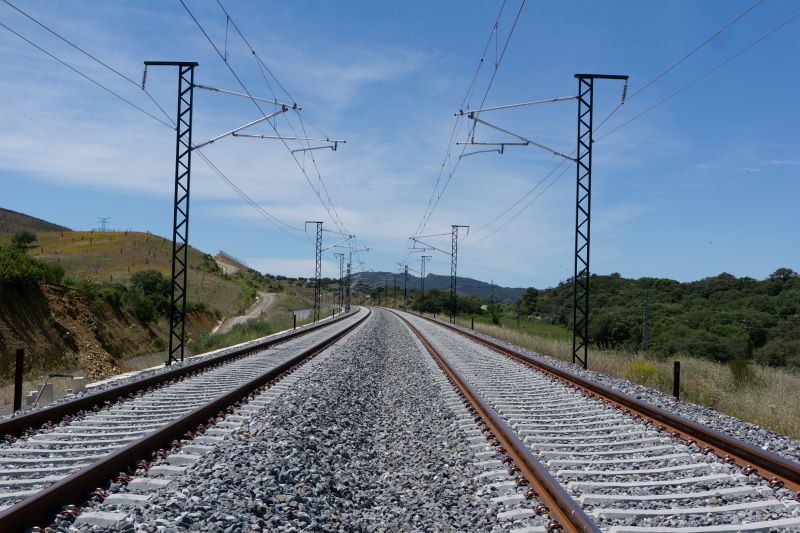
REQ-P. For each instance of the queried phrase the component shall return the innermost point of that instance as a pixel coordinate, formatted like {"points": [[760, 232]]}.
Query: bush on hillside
{"points": [[17, 268], [149, 295], [22, 239]]}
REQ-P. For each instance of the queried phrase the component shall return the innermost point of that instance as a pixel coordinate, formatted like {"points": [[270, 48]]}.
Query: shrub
{"points": [[17, 268], [22, 239], [114, 294]]}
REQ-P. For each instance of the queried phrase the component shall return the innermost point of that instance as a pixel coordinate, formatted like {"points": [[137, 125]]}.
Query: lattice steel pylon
{"points": [[347, 287], [454, 272], [180, 213], [423, 260], [583, 212], [317, 268], [341, 278], [405, 287]]}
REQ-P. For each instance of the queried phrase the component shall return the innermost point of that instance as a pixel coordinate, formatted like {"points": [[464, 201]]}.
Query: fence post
{"points": [[18, 379], [676, 379], [294, 316], [473, 324]]}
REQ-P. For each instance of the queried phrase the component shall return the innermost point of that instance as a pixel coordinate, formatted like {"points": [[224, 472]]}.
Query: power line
{"points": [[648, 84], [264, 70], [703, 75], [526, 206], [170, 125], [679, 61], [84, 52], [483, 101], [86, 76], [328, 208], [433, 200]]}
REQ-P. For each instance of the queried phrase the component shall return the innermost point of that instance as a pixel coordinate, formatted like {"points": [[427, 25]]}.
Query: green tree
{"points": [[529, 300]]}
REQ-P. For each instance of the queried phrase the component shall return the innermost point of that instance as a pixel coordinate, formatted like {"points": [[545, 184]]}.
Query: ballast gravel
{"points": [[365, 442], [132, 377], [765, 439]]}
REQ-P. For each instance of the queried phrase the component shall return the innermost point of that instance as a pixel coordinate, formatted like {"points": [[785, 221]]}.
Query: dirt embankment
{"points": [[61, 331]]}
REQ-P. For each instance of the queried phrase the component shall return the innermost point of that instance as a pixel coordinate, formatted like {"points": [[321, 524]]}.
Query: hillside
{"points": [[12, 221], [722, 317], [113, 257], [466, 286]]}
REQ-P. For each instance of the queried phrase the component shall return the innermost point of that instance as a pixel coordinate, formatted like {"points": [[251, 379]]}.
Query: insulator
{"points": [[144, 77], [624, 92]]}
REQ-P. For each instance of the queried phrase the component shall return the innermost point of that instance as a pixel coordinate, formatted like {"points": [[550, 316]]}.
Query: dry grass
{"points": [[768, 399], [112, 257]]}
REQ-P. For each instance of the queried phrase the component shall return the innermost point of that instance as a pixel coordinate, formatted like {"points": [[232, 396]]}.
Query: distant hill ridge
{"points": [[12, 221], [466, 286]]}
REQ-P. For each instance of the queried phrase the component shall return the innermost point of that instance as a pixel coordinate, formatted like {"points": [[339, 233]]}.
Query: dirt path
{"points": [[263, 301]]}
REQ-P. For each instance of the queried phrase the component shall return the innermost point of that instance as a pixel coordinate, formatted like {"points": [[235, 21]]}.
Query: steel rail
{"points": [[561, 506], [35, 510], [768, 465], [17, 425]]}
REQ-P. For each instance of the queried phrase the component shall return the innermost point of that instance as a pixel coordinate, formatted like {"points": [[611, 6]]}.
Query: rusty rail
{"points": [[35, 510], [766, 464], [560, 505], [17, 425]]}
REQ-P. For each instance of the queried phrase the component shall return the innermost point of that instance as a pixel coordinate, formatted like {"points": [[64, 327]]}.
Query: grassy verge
{"points": [[252, 329], [279, 317], [761, 395]]}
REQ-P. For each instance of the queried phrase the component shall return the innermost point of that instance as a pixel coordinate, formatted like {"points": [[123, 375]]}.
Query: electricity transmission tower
{"points": [[583, 211], [453, 272], [103, 221], [183, 160], [317, 267], [405, 287], [423, 260], [341, 277], [349, 283], [180, 210], [583, 194]]}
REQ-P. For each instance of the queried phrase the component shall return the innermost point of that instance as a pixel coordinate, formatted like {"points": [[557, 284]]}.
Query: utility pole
{"points": [[394, 289], [318, 267], [180, 211], [583, 210], [341, 277], [424, 259], [583, 194], [347, 287], [646, 322], [385, 291], [405, 287], [453, 271]]}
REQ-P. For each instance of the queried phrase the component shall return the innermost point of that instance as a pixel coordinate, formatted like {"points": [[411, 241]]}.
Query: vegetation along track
{"points": [[626, 466], [67, 458]]}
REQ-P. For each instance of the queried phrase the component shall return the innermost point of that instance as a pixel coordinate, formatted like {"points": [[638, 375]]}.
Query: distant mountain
{"points": [[11, 222], [466, 286]]}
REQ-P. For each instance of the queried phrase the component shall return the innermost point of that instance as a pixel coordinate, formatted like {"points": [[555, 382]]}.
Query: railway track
{"points": [[599, 460], [72, 448]]}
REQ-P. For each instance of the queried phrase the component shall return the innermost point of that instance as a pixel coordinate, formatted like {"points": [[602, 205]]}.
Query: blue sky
{"points": [[705, 183]]}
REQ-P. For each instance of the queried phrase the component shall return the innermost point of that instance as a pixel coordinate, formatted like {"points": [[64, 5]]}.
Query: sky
{"points": [[705, 183]]}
